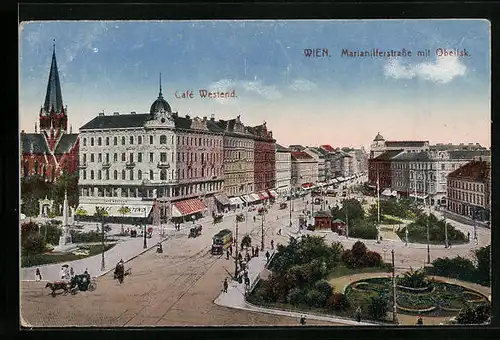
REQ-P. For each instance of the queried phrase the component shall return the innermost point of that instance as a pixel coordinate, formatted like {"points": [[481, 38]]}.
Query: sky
{"points": [[328, 98]]}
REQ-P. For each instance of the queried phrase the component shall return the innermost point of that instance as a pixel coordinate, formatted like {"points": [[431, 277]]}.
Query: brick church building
{"points": [[51, 150]]}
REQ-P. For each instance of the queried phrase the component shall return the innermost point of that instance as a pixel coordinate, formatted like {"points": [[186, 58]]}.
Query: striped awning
{"points": [[223, 199], [187, 207], [255, 197], [272, 193], [247, 198], [235, 200], [262, 195]]}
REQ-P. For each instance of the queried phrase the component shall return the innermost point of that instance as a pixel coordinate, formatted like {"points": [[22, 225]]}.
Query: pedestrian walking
{"points": [[358, 314], [230, 249], [268, 255], [272, 244], [303, 320], [225, 285], [71, 272], [257, 251], [227, 254], [420, 320], [38, 276], [468, 236], [254, 218]]}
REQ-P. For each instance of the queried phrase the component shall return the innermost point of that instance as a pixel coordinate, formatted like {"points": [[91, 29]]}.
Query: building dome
{"points": [[378, 137], [160, 104]]}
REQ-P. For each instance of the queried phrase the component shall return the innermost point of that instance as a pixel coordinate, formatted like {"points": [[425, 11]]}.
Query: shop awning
{"points": [[223, 199], [272, 193], [114, 210], [235, 200], [307, 185], [187, 207], [246, 198], [419, 195], [254, 197], [262, 195]]}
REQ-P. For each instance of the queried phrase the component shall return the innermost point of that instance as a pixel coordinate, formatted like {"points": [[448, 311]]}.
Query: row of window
{"points": [[181, 157], [462, 209], [465, 185], [134, 191], [164, 174], [466, 196], [192, 141], [238, 143]]}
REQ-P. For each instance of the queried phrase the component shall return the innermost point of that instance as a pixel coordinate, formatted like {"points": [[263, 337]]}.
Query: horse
{"points": [[65, 286]]}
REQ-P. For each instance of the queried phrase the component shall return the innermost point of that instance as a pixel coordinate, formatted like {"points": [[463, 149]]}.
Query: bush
{"points": [[28, 228], [473, 315], [50, 233], [378, 308], [315, 298], [296, 297], [457, 268], [360, 257], [372, 259], [33, 243], [91, 236], [324, 287], [338, 301], [365, 229], [414, 279]]}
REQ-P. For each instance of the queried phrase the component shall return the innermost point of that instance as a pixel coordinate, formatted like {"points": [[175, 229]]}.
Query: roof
{"points": [[413, 156], [212, 126], [301, 155], [338, 221], [53, 97], [39, 144], [378, 137], [280, 148], [160, 104], [388, 155], [472, 171], [403, 143], [322, 214], [328, 148], [65, 144], [468, 154], [117, 121], [315, 150], [296, 147]]}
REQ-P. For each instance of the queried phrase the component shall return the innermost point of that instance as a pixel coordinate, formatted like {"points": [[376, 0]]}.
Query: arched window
{"points": [[139, 174], [163, 175], [131, 174], [84, 174], [131, 140], [85, 142], [123, 140], [139, 140], [99, 174], [99, 141], [116, 174], [163, 139], [107, 174], [151, 175], [107, 140], [91, 174], [92, 141], [123, 174], [115, 140]]}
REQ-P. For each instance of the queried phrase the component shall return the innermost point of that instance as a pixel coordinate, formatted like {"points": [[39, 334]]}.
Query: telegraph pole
{"points": [[103, 266], [394, 305]]}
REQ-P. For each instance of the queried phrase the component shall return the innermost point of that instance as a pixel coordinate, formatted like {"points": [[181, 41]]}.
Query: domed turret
{"points": [[378, 137], [160, 104]]}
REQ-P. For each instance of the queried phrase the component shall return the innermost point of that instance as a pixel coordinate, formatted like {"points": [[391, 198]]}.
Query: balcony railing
{"points": [[130, 164], [163, 165], [82, 165], [106, 165]]}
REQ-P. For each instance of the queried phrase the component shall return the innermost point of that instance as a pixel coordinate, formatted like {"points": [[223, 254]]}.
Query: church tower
{"points": [[53, 115]]}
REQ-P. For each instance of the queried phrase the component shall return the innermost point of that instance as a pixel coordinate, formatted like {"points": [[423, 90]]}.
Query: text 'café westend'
{"points": [[189, 94]]}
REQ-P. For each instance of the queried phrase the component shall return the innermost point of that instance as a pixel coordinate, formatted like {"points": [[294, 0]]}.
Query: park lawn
{"points": [[49, 258], [342, 270]]}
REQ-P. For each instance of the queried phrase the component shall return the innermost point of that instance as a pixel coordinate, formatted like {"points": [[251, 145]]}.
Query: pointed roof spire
{"points": [[160, 95], [53, 97]]}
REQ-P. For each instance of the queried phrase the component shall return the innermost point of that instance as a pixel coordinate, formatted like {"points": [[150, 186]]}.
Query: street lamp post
{"points": [[236, 251], [145, 217], [262, 230], [394, 306], [103, 265]]}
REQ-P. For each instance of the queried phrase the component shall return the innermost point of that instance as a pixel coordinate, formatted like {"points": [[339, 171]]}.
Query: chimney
{"points": [[212, 117]]}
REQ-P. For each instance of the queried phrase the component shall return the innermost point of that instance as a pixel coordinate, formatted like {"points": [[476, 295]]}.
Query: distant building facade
{"points": [[304, 169], [283, 170]]}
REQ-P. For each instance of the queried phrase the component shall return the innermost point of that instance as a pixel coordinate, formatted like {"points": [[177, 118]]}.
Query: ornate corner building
{"points": [[48, 152]]}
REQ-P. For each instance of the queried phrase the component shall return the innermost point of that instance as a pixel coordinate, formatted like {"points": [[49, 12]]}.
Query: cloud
{"points": [[443, 70], [269, 92], [303, 85]]}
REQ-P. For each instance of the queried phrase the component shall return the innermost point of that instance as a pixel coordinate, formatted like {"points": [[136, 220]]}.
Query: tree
{"points": [[473, 315], [246, 241], [33, 244], [51, 233], [338, 301], [124, 210], [483, 256], [324, 288], [378, 308]]}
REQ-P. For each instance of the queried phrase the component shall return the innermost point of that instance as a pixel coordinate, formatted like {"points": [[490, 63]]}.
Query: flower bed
{"points": [[416, 290]]}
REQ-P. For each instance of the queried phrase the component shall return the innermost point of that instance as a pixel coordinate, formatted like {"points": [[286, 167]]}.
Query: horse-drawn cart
{"points": [[217, 218], [81, 282], [195, 231]]}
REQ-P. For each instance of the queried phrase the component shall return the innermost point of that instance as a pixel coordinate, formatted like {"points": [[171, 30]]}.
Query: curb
{"points": [[133, 257]]}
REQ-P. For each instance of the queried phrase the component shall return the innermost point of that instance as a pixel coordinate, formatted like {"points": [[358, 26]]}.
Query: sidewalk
{"points": [[125, 249], [235, 296]]}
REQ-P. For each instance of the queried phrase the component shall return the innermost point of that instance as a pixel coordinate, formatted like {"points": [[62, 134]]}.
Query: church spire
{"points": [[160, 95], [53, 97]]}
